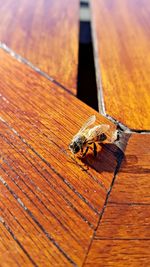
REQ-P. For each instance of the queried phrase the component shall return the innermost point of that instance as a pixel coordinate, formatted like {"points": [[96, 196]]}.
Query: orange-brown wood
{"points": [[121, 42], [45, 33], [125, 222], [108, 253], [133, 182], [40, 197], [123, 234], [10, 252], [24, 241], [61, 196]]}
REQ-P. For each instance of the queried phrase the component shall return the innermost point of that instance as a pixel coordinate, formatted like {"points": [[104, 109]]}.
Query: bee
{"points": [[88, 136]]}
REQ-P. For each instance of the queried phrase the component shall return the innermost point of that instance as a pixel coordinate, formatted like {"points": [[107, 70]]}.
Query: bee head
{"points": [[74, 147]]}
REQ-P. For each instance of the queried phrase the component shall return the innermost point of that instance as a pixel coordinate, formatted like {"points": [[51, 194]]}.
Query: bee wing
{"points": [[89, 122], [97, 131]]}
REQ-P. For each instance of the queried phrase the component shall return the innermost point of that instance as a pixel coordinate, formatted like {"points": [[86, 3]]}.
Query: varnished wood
{"points": [[62, 196], [43, 200], [133, 182], [123, 234], [10, 252], [45, 33], [112, 253], [125, 222], [21, 235], [121, 42]]}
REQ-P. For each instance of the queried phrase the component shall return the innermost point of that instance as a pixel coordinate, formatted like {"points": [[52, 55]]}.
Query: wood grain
{"points": [[133, 182], [10, 252], [125, 222], [45, 33], [123, 234], [121, 43], [21, 235], [106, 253], [60, 195]]}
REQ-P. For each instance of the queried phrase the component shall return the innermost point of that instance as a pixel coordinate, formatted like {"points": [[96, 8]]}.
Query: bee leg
{"points": [[87, 148], [81, 151], [94, 149]]}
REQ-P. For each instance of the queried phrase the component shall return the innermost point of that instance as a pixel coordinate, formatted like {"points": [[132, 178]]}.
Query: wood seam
{"points": [[19, 58], [17, 241], [100, 95], [68, 202], [36, 221], [49, 165], [119, 160]]}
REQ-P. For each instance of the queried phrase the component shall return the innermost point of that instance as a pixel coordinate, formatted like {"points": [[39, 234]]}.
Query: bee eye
{"points": [[102, 137], [76, 148]]}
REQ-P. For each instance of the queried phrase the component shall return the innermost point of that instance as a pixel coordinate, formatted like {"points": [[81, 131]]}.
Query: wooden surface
{"points": [[125, 222], [50, 203], [111, 253], [123, 234], [57, 210], [133, 183], [121, 39], [45, 33]]}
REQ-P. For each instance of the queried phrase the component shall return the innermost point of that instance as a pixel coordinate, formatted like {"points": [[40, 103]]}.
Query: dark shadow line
{"points": [[26, 62], [53, 169], [37, 222], [128, 203], [41, 174], [125, 127], [119, 155], [37, 197], [86, 81], [18, 242], [120, 239]]}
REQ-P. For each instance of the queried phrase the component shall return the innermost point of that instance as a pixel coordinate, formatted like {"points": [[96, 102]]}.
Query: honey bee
{"points": [[88, 136]]}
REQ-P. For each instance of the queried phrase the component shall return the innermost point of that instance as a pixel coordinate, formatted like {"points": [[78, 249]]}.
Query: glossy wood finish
{"points": [[21, 236], [121, 42], [125, 222], [123, 234], [14, 255], [50, 202], [45, 33], [133, 182], [112, 253]]}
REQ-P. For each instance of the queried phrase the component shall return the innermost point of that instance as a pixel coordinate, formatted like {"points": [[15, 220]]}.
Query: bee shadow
{"points": [[132, 164], [108, 159]]}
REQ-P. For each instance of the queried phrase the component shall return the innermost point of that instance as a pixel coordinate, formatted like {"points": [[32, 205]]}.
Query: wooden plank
{"points": [[133, 181], [125, 222], [106, 253], [121, 43], [63, 197], [26, 234], [45, 33], [123, 234], [51, 210], [10, 252], [47, 181], [54, 127]]}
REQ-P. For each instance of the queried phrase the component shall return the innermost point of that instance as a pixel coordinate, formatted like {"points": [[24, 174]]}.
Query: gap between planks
{"points": [[119, 160], [19, 58], [32, 66], [100, 95]]}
